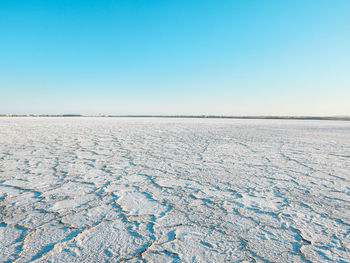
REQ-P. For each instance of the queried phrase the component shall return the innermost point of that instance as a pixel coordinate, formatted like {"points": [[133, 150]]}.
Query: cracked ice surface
{"points": [[174, 190]]}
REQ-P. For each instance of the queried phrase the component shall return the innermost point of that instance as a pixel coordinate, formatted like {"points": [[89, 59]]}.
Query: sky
{"points": [[191, 57]]}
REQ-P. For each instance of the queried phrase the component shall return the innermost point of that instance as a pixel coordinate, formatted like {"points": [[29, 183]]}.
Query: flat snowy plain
{"points": [[174, 190]]}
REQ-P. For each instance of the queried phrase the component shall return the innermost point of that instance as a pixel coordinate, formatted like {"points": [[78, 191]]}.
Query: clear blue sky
{"points": [[229, 57]]}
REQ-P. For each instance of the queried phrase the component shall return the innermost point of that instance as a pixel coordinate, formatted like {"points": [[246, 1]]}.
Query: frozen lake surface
{"points": [[174, 190]]}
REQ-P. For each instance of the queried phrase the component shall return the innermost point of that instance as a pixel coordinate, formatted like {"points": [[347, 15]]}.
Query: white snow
{"points": [[174, 190]]}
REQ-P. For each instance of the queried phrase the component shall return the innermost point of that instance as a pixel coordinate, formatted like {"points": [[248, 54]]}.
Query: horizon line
{"points": [[290, 117]]}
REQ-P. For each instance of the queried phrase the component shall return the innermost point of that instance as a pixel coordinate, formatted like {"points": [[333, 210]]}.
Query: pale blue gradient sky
{"points": [[226, 57]]}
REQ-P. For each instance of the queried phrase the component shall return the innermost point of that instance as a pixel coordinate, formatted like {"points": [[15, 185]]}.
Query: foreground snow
{"points": [[182, 190]]}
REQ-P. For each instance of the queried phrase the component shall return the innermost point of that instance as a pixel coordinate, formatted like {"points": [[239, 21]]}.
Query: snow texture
{"points": [[174, 190]]}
